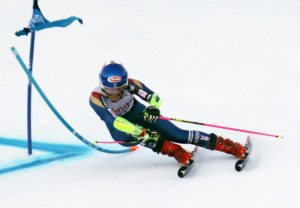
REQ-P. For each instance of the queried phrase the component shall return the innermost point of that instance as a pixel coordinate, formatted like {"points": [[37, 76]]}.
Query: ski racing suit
{"points": [[131, 109]]}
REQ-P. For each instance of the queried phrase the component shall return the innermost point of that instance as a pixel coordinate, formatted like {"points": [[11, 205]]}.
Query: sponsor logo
{"points": [[121, 109], [142, 93], [204, 138], [114, 79]]}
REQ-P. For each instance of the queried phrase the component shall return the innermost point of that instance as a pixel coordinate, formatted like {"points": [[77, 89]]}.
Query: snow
{"points": [[230, 63]]}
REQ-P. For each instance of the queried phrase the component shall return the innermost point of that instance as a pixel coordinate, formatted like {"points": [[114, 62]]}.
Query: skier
{"points": [[130, 121]]}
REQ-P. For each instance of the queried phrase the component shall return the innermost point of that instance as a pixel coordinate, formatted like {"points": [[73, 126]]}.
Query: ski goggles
{"points": [[116, 91]]}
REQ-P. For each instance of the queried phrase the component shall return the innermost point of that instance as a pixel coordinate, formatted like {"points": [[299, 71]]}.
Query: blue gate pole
{"points": [[29, 139]]}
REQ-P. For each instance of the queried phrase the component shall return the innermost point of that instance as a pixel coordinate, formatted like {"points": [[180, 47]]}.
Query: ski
{"points": [[183, 170], [241, 163]]}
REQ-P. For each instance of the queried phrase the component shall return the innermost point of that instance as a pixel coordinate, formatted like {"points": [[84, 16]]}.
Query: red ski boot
{"points": [[230, 147], [176, 151]]}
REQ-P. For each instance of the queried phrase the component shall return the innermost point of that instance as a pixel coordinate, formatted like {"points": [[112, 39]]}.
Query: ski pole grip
{"points": [[164, 118]]}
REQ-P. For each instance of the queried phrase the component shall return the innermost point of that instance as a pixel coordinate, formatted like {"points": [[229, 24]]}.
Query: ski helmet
{"points": [[113, 76]]}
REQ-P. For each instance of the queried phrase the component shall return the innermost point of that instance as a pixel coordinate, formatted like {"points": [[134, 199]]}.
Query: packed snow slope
{"points": [[230, 63]]}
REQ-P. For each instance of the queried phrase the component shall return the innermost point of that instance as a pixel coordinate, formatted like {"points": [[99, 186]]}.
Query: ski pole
{"points": [[115, 142], [132, 148], [220, 127]]}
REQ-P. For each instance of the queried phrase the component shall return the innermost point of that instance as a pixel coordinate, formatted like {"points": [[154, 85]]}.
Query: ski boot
{"points": [[152, 140], [230, 147], [158, 144], [176, 151]]}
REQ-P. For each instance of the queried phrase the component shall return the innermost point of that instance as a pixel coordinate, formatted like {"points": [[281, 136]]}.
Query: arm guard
{"points": [[139, 89]]}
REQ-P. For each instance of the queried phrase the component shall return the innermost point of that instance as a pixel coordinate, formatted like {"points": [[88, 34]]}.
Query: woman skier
{"points": [[130, 121]]}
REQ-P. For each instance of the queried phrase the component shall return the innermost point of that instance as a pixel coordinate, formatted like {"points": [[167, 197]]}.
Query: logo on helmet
{"points": [[114, 79]]}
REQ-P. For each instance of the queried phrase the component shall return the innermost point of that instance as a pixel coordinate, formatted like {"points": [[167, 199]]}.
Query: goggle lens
{"points": [[114, 91]]}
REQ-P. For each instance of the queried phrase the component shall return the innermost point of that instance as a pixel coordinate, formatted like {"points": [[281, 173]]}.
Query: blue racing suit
{"points": [[131, 109]]}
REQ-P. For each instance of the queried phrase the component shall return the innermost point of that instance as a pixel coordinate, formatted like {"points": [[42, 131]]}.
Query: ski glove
{"points": [[151, 114], [148, 138]]}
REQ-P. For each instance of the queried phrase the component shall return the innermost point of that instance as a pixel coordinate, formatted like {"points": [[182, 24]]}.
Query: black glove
{"points": [[151, 114]]}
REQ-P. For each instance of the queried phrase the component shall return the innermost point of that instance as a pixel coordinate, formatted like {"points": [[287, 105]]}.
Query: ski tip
{"points": [[238, 167], [280, 137], [134, 148], [180, 175], [182, 171]]}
